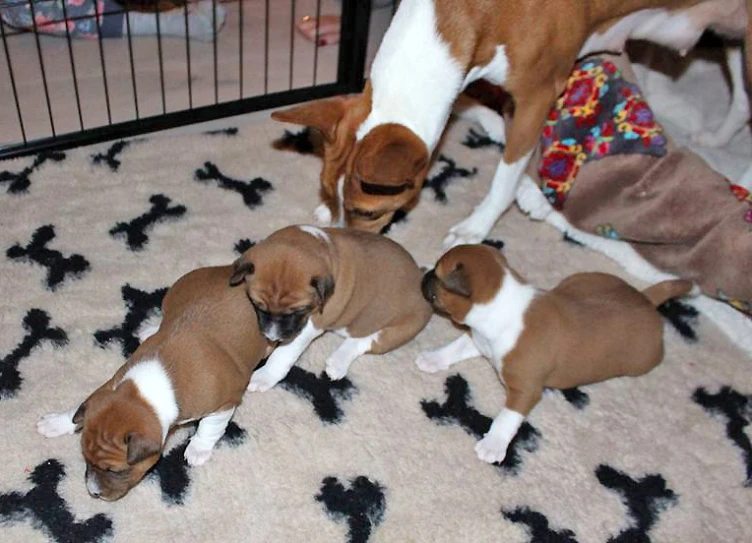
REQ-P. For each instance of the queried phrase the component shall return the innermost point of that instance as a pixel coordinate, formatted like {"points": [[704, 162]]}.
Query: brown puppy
{"points": [[304, 281], [589, 328], [196, 366], [378, 143]]}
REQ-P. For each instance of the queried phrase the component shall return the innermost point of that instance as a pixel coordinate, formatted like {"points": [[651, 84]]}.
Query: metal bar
{"points": [[73, 65], [171, 120], [316, 43], [161, 63], [13, 82], [188, 56], [240, 62], [266, 49], [292, 41], [353, 44], [41, 66], [101, 58], [214, 32], [130, 57]]}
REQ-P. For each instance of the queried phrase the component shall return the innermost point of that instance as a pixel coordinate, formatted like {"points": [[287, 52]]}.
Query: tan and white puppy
{"points": [[589, 328], [378, 143], [195, 366], [304, 281]]}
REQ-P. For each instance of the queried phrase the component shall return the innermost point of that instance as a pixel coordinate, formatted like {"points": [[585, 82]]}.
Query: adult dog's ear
{"points": [[78, 417], [324, 287], [457, 281], [140, 447], [323, 115], [240, 269]]}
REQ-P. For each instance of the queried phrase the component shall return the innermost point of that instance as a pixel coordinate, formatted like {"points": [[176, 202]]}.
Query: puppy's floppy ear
{"points": [[324, 287], [458, 282], [391, 160], [240, 268], [140, 447]]}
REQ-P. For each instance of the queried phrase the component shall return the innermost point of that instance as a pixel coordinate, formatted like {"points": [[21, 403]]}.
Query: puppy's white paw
{"points": [[431, 362], [336, 370], [56, 424], [492, 449], [468, 231], [261, 381], [196, 455], [532, 201], [322, 215]]}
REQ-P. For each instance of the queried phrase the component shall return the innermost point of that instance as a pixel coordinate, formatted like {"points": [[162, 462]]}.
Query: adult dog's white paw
{"points": [[261, 381], [492, 449], [431, 362], [196, 455], [322, 215], [56, 424]]}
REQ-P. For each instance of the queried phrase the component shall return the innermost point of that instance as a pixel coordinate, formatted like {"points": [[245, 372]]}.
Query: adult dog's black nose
{"points": [[427, 286]]}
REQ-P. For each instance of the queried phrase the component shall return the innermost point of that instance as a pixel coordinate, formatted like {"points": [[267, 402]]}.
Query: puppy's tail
{"points": [[665, 290]]}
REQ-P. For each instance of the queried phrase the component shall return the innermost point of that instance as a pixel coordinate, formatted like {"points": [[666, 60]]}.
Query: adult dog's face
{"points": [[120, 439], [363, 182], [285, 286], [464, 276]]}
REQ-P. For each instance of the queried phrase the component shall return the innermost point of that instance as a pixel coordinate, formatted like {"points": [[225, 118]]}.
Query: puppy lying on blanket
{"points": [[196, 366], [304, 281], [591, 327]]}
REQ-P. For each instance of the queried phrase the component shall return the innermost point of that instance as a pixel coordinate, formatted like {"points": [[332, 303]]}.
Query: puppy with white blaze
{"points": [[195, 366], [589, 328], [303, 281]]}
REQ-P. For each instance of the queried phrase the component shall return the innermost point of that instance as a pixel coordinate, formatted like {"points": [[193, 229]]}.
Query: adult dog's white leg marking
{"points": [[737, 117], [351, 348], [503, 189], [471, 110], [440, 359], [210, 429], [493, 447], [57, 424], [283, 359], [155, 387]]}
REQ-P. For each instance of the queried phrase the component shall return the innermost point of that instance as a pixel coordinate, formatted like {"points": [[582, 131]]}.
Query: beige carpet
{"points": [[385, 456]]}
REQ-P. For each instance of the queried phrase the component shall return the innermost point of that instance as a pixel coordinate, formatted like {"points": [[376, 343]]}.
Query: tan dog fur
{"points": [[208, 344], [589, 328], [306, 281]]}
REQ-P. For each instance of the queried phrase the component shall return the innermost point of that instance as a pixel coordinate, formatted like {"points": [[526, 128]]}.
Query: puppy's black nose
{"points": [[427, 286]]}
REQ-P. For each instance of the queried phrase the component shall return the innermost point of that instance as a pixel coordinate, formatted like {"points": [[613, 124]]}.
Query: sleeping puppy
{"points": [[589, 328], [303, 281], [195, 367]]}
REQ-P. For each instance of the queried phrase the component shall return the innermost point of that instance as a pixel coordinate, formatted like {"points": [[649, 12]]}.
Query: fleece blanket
{"points": [[92, 237]]}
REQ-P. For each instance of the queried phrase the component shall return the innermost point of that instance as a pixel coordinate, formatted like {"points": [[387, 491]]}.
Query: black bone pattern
{"points": [[362, 505], [172, 473], [299, 142], [682, 317], [644, 498], [19, 182], [475, 140], [134, 231], [58, 266], [110, 157], [251, 191], [38, 330], [736, 409], [538, 526], [324, 394], [242, 245], [229, 132], [140, 305], [450, 171], [458, 409], [47, 511]]}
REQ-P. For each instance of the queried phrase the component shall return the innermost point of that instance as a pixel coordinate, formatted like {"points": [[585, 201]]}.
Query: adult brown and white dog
{"points": [[304, 281], [589, 328], [378, 143], [195, 366]]}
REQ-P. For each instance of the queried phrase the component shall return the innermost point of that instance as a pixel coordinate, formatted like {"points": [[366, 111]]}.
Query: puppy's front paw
{"points": [[322, 215], [469, 231], [195, 455], [491, 449], [431, 362], [55, 424], [336, 371], [261, 381]]}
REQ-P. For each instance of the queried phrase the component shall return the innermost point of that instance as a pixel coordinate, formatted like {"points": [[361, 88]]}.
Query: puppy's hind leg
{"points": [[210, 429], [351, 348], [440, 359]]}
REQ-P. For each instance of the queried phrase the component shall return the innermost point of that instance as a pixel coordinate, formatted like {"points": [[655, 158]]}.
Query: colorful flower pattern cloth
{"points": [[599, 114]]}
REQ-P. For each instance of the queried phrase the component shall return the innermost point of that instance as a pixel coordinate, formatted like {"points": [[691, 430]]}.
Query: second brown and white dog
{"points": [[195, 366], [304, 281], [589, 328]]}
